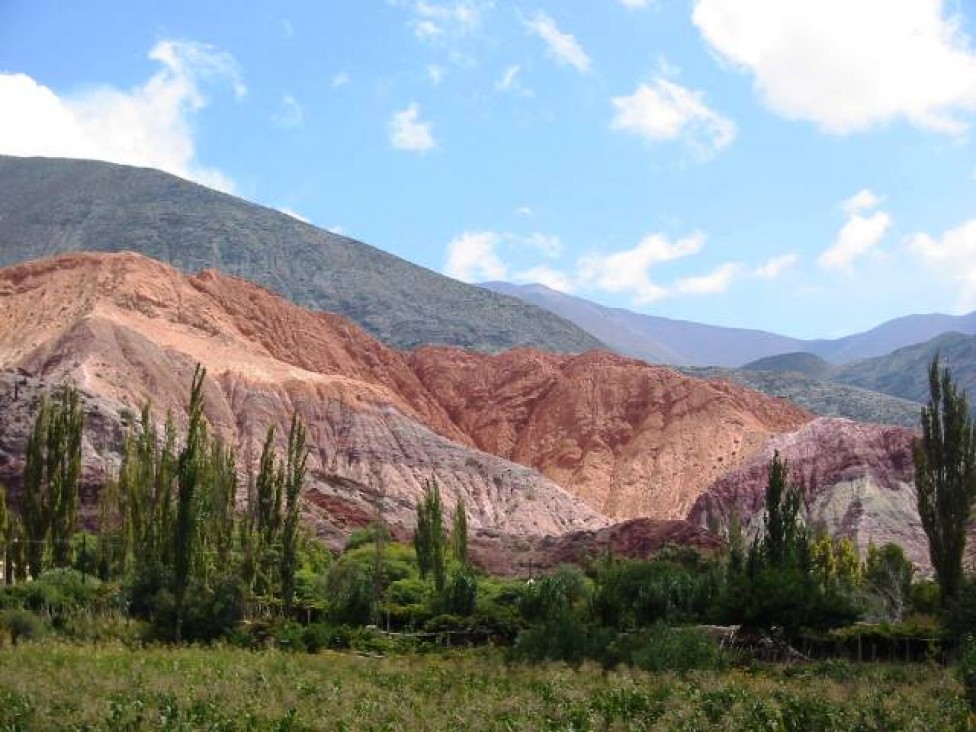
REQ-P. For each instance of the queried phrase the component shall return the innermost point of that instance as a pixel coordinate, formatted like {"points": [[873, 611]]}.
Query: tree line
{"points": [[192, 566]]}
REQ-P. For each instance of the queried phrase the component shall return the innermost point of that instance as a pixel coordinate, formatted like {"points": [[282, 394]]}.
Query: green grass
{"points": [[56, 686]]}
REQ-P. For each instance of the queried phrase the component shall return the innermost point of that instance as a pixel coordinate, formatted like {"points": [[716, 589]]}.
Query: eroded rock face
{"points": [[857, 481], [128, 330], [628, 438]]}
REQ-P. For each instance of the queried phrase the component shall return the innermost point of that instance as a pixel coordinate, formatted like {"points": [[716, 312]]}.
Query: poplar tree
{"points": [[188, 475], [64, 473], [34, 498], [428, 539], [459, 534], [945, 476], [52, 474], [293, 481], [5, 537]]}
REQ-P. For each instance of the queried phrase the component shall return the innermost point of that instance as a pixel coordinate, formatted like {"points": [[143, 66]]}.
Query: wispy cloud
{"points": [[289, 114], [775, 266], [510, 82], [665, 111], [563, 47], [862, 232], [340, 78], [630, 271]]}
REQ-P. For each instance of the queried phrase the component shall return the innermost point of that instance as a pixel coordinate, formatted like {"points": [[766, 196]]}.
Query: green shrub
{"points": [[662, 648], [21, 624], [966, 670]]}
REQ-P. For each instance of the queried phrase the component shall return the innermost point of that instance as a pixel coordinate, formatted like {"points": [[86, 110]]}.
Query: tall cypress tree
{"points": [[64, 473], [189, 468], [294, 480], [429, 537], [5, 538], [52, 473], [34, 498], [459, 534], [945, 476]]}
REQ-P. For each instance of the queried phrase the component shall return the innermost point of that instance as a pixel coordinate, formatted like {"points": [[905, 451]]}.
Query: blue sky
{"points": [[801, 167]]}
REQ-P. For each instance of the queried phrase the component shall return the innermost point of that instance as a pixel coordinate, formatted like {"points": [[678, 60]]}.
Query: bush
{"points": [[662, 648], [564, 638], [966, 670], [21, 624]]}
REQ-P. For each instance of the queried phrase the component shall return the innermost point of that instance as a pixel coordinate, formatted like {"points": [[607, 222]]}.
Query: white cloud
{"points": [[471, 257], [859, 235], [409, 132], [849, 65], [664, 111], [436, 20], [953, 253], [148, 125], [629, 271], [636, 4], [709, 284], [548, 244], [435, 74], [287, 29], [341, 78], [289, 113], [294, 214], [775, 266], [864, 200], [510, 82], [563, 47], [524, 211], [554, 279]]}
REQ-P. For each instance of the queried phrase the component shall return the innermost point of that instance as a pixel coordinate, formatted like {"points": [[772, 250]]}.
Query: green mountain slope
{"points": [[49, 206], [904, 373], [804, 363], [822, 397]]}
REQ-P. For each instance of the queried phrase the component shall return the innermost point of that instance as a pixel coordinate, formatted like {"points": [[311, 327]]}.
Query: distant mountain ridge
{"points": [[50, 206], [684, 343], [902, 374]]}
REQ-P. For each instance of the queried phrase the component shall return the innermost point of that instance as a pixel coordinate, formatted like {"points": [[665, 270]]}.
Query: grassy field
{"points": [[55, 686]]}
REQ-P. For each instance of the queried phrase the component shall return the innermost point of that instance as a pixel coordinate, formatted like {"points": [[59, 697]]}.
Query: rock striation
{"points": [[857, 481], [128, 330], [629, 438]]}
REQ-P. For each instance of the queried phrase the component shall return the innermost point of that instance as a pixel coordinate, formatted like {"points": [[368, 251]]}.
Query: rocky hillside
{"points": [[536, 444], [129, 330], [857, 481], [628, 438], [49, 206]]}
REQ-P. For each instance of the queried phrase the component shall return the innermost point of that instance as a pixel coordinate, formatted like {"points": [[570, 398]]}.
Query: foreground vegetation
{"points": [[55, 686]]}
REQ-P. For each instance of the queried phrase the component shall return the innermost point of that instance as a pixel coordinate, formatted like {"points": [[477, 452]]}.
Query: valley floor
{"points": [[50, 685]]}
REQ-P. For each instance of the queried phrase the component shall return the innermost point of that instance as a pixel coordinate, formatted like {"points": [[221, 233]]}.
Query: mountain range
{"points": [[534, 443], [684, 343], [49, 206], [515, 410]]}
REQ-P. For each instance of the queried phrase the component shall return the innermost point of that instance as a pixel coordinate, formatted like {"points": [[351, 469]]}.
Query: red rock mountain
{"points": [[628, 438], [129, 330], [534, 443]]}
